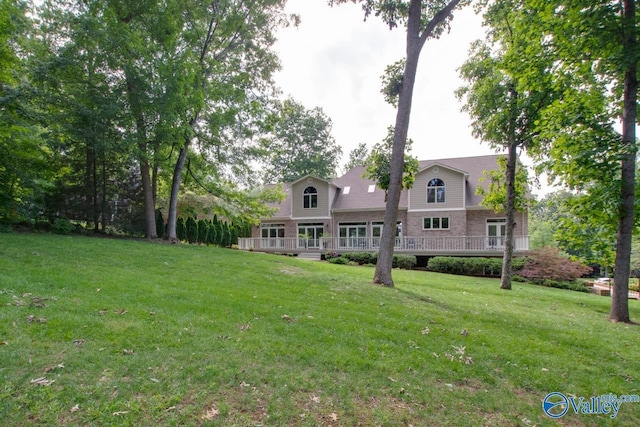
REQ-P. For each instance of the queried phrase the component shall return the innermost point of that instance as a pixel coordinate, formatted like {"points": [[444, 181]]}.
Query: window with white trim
{"points": [[272, 231], [436, 191], [310, 198], [435, 223]]}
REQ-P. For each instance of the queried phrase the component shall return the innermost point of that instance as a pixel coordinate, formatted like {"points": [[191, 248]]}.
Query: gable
{"points": [[310, 197], [452, 192]]}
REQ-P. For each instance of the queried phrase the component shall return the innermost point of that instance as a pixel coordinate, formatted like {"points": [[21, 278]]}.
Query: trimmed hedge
{"points": [[472, 266], [406, 262]]}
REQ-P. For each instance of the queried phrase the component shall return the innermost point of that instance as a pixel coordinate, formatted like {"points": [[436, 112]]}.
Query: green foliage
{"points": [[392, 81], [301, 144], [181, 229], [470, 266], [379, 163], [550, 264], [339, 260], [494, 197], [357, 157], [63, 226], [203, 231], [160, 225], [192, 230], [405, 262], [211, 233]]}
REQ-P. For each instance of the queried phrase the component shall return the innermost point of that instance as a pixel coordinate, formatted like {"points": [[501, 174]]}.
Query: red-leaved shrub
{"points": [[549, 264]]}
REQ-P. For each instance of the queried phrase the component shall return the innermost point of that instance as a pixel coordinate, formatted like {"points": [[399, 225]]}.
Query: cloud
{"points": [[334, 60]]}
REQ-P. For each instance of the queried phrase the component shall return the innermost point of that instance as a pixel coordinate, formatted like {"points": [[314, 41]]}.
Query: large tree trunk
{"points": [[175, 189], [415, 42], [384, 264], [149, 206], [507, 259], [619, 299]]}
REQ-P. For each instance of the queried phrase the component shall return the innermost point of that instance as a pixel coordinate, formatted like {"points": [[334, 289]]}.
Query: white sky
{"points": [[334, 60]]}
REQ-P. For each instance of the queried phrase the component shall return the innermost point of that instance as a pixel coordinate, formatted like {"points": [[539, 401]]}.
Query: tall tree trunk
{"points": [[175, 189], [384, 265], [619, 299], [103, 204], [149, 207], [507, 259], [415, 42], [143, 158]]}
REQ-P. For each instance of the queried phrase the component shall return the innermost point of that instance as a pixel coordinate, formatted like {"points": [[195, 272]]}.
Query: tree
{"points": [[301, 144], [25, 166], [224, 53], [423, 20], [504, 111], [591, 48], [357, 157], [378, 167]]}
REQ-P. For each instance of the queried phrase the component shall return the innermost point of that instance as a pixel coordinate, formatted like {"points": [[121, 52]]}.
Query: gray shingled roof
{"points": [[359, 197]]}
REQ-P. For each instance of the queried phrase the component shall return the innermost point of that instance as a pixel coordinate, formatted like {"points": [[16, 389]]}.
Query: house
{"points": [[440, 215]]}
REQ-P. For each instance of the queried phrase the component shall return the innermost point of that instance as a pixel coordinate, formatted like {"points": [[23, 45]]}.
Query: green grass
{"points": [[133, 333]]}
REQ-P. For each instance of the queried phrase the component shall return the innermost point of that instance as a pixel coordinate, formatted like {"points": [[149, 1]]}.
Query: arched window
{"points": [[435, 191], [310, 198]]}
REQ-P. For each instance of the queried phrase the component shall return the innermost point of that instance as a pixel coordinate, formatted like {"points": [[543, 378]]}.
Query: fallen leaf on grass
{"points": [[245, 327], [464, 333], [118, 413], [4, 343], [333, 416], [287, 318], [51, 368], [78, 342], [120, 311], [76, 408], [38, 302], [42, 381], [315, 399], [128, 351], [103, 312], [211, 414], [425, 331], [33, 319]]}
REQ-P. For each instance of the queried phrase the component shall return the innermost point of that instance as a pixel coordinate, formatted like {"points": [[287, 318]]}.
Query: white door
{"points": [[496, 230]]}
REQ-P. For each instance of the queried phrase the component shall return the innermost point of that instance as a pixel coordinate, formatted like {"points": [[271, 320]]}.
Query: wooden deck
{"points": [[420, 246]]}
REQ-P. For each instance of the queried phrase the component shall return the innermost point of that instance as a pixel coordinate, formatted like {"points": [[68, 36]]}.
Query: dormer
{"points": [[438, 187], [311, 197]]}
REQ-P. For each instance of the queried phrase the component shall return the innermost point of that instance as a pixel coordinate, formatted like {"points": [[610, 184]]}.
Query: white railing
{"points": [[402, 244]]}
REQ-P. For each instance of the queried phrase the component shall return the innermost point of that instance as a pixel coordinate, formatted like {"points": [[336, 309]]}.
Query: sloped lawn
{"points": [[117, 332]]}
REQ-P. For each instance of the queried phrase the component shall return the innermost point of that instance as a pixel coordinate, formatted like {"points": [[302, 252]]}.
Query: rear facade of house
{"points": [[440, 215]]}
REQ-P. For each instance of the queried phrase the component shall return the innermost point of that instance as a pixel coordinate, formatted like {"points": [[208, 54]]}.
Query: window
{"points": [[310, 198], [372, 188], [435, 191], [376, 229], [436, 223], [347, 189], [353, 235], [309, 235], [272, 231]]}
